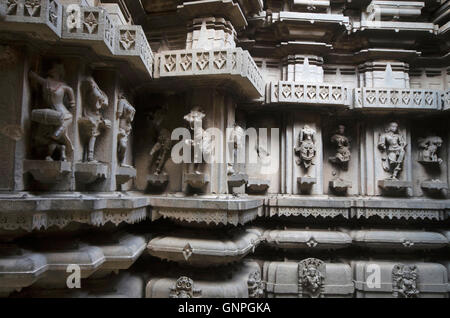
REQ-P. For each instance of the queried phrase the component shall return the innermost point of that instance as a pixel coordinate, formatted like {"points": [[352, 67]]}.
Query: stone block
{"points": [[90, 172], [48, 172], [257, 185], [401, 279], [125, 174]]}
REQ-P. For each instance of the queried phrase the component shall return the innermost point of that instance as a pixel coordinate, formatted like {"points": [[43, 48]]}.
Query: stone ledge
{"points": [[96, 29], [207, 66], [89, 172], [205, 249], [397, 98], [309, 94], [48, 172], [25, 267], [236, 286]]}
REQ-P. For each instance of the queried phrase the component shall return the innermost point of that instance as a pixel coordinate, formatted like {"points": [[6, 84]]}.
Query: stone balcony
{"points": [[208, 66], [51, 21], [397, 98], [308, 93]]}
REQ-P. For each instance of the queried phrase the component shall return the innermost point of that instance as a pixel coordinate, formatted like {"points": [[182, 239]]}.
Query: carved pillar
{"points": [[302, 68]]}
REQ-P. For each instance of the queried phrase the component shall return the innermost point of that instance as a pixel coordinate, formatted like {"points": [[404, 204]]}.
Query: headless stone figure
{"points": [[54, 120]]}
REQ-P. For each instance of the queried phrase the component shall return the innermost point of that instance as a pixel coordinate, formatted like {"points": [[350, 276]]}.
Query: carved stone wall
{"points": [[339, 109]]}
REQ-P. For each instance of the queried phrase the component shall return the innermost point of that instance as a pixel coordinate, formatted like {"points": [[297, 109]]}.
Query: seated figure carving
{"points": [[54, 120]]}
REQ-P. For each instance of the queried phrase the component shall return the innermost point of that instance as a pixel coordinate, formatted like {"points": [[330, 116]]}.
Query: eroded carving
{"points": [[184, 288], [202, 140], [429, 150], [342, 144], [404, 281], [92, 123], [393, 146], [306, 148], [311, 277], [255, 285], [51, 136], [125, 115]]}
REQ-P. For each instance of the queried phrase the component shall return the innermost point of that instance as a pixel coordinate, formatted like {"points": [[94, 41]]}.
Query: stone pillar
{"points": [[302, 68], [384, 74]]}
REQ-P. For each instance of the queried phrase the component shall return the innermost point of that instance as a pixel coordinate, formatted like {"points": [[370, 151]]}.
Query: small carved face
{"points": [[341, 129], [393, 127]]}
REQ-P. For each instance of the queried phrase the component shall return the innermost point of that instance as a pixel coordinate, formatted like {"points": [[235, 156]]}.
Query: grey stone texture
{"points": [[344, 195]]}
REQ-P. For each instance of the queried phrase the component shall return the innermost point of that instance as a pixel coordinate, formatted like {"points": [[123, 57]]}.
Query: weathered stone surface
{"points": [[402, 280], [205, 249], [408, 240], [90, 172], [287, 279], [307, 239]]}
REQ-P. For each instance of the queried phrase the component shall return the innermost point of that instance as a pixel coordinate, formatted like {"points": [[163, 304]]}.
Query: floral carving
{"points": [[127, 39], [33, 7], [91, 22]]}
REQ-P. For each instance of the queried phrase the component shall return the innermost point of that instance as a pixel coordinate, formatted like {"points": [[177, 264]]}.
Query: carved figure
{"points": [[56, 118], [125, 114], [202, 140], [311, 275], [392, 145], [306, 148], [255, 285], [342, 143], [429, 149], [404, 280], [92, 123], [237, 139], [162, 150], [184, 288]]}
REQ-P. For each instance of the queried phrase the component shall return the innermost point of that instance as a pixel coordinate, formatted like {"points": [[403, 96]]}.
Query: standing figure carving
{"points": [[51, 137], [392, 144], [92, 123], [162, 150], [306, 148], [237, 141], [125, 115], [342, 144], [429, 149], [202, 140]]}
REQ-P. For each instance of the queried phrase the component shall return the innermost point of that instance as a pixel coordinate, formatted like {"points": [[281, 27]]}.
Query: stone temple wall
{"points": [[318, 132]]}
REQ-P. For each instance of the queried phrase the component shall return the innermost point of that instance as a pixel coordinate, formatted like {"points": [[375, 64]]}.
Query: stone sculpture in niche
{"points": [[237, 139], [311, 277], [342, 144], [161, 150], [429, 150], [404, 281], [306, 148], [184, 288], [202, 140], [392, 144], [125, 115], [92, 123], [51, 136]]}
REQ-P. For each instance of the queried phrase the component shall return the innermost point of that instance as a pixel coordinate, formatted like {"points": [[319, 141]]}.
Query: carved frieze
{"points": [[184, 288], [311, 278], [404, 281]]}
